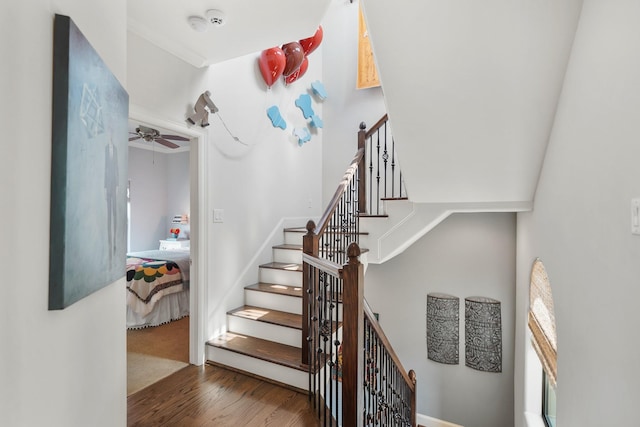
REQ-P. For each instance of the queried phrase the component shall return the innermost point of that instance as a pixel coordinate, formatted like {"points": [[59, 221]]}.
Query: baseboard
{"points": [[426, 421]]}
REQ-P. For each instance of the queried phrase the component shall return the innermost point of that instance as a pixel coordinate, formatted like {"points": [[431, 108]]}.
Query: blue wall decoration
{"points": [[318, 89], [88, 217], [316, 122], [302, 134], [276, 118], [304, 103]]}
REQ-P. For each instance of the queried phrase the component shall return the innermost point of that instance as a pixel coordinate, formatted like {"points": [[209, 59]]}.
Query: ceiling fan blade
{"points": [[133, 138], [174, 137], [166, 143]]}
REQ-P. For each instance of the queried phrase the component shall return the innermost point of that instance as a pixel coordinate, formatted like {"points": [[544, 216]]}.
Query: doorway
{"points": [[193, 325]]}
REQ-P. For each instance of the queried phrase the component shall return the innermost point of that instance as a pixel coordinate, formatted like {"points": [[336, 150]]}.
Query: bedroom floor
{"points": [[154, 353]]}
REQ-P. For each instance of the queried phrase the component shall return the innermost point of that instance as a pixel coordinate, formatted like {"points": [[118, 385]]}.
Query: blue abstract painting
{"points": [[87, 248]]}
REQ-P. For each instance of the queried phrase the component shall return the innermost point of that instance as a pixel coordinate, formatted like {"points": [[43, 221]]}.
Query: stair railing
{"points": [[378, 171], [337, 228], [355, 377], [354, 374], [339, 225]]}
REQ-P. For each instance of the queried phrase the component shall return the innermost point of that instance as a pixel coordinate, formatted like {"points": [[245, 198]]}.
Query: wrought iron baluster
{"points": [[393, 168], [385, 158], [378, 174], [370, 181]]}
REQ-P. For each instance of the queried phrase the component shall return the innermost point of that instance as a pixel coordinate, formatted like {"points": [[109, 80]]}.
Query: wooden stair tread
{"points": [[274, 317], [288, 266], [293, 291], [393, 198], [366, 215], [269, 351], [289, 247]]}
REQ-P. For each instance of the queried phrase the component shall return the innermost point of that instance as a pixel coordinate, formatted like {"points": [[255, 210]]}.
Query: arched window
{"points": [[542, 322]]}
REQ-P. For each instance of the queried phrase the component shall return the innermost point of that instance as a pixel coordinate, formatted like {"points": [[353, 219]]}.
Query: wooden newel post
{"points": [[310, 246], [412, 376], [352, 338], [362, 185]]}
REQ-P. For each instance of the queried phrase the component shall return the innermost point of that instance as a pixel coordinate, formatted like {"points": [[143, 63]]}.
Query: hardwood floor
{"points": [[213, 396]]}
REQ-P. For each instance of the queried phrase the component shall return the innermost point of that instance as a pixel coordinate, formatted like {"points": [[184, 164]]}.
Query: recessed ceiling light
{"points": [[198, 23], [216, 17]]}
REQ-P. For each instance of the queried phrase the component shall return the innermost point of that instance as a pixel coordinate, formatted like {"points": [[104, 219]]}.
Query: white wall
{"points": [[580, 226], [256, 184], [159, 184], [471, 89], [178, 191], [345, 107], [148, 191], [466, 255], [57, 368]]}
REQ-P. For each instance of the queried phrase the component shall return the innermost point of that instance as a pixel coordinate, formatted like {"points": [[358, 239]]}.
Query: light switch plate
{"points": [[218, 215], [635, 216]]}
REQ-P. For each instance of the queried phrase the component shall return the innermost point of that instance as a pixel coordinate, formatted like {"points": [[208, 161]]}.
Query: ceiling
{"points": [[249, 26]]}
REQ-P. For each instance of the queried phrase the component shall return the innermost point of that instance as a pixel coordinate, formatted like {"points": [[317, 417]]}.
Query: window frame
{"points": [[548, 393]]}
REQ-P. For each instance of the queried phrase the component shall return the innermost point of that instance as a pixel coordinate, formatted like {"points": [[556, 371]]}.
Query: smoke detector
{"points": [[198, 23], [216, 17]]}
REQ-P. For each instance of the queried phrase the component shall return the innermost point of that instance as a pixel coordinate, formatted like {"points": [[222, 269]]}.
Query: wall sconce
{"points": [[483, 334], [180, 219], [443, 328]]}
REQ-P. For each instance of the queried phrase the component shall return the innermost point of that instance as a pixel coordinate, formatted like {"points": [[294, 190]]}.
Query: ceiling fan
{"points": [[150, 135]]}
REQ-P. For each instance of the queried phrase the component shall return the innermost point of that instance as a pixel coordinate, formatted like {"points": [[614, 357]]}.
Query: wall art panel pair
{"points": [[483, 331]]}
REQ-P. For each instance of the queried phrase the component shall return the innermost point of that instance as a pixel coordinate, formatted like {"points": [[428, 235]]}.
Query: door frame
{"points": [[199, 205]]}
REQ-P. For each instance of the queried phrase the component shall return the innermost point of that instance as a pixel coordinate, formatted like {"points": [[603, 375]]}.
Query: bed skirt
{"points": [[170, 307]]}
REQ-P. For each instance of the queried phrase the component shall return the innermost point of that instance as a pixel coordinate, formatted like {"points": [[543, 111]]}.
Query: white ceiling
{"points": [[250, 26]]}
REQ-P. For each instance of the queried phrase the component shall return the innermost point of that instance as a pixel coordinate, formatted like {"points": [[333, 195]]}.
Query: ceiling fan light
{"points": [[198, 23]]}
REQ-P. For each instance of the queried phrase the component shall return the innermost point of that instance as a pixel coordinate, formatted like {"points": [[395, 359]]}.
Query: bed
{"points": [[157, 287]]}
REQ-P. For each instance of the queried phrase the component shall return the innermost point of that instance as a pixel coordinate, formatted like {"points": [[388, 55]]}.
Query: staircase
{"points": [[264, 336]]}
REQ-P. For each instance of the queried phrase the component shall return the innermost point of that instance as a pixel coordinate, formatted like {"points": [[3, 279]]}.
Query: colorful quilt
{"points": [[148, 280]]}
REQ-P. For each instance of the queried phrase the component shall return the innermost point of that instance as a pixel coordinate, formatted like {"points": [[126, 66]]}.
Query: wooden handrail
{"points": [[377, 126], [387, 345], [342, 186], [323, 264]]}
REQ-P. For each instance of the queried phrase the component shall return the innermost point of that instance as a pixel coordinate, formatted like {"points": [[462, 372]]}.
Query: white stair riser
{"points": [[293, 237], [280, 277], [289, 256], [273, 301], [293, 377], [266, 331]]}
